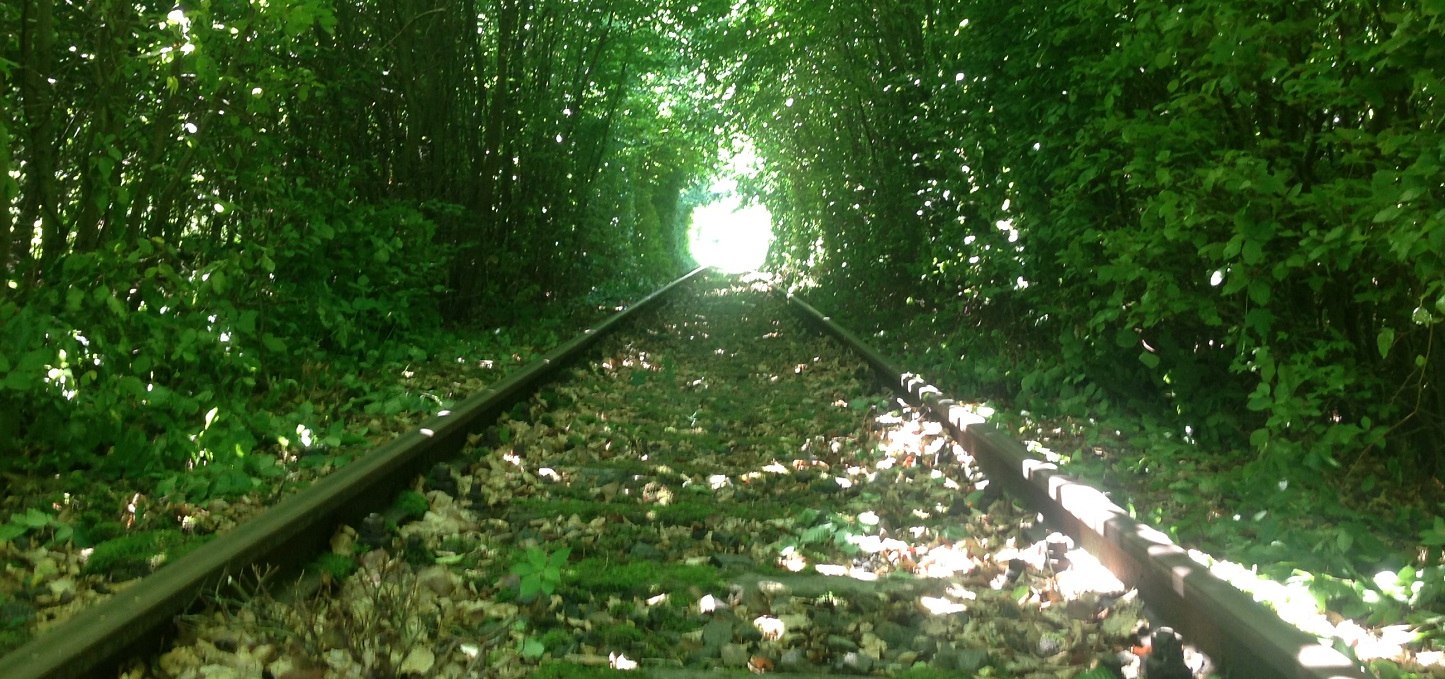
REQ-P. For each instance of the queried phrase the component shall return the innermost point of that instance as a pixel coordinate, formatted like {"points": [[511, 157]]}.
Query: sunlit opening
{"points": [[725, 234], [730, 237]]}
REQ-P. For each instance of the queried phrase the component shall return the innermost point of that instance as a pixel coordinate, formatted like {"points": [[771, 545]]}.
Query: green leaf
{"points": [[1435, 537], [35, 518], [12, 530], [1150, 360], [1252, 252], [1384, 341], [1388, 214], [532, 648], [1259, 291], [73, 299], [530, 587]]}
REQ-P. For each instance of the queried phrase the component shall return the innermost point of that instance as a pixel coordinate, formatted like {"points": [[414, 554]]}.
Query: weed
{"points": [[563, 670], [15, 619], [409, 506], [619, 636], [337, 567], [599, 575], [540, 572], [138, 554], [34, 521], [364, 617]]}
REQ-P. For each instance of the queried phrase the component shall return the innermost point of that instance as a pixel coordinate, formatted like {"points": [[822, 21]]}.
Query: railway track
{"points": [[715, 488]]}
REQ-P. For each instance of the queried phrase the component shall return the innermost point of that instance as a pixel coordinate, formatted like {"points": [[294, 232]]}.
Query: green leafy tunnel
{"points": [[1224, 218]]}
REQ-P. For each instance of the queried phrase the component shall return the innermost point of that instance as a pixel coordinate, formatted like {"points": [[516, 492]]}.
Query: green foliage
{"points": [[828, 530], [15, 621], [601, 575], [336, 566], [35, 522], [251, 202], [564, 670], [540, 572], [1214, 227], [137, 554], [410, 505], [1168, 218]]}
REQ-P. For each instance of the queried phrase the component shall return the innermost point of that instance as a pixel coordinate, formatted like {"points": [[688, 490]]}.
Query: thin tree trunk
{"points": [[37, 58]]}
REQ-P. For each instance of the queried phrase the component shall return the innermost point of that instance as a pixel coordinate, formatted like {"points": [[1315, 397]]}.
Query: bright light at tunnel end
{"points": [[730, 237]]}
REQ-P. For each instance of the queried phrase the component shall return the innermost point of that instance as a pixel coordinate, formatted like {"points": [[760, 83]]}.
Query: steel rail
{"points": [[100, 637], [1243, 636]]}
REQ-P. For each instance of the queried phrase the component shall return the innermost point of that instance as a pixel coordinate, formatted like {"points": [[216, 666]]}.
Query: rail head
{"points": [[1226, 623]]}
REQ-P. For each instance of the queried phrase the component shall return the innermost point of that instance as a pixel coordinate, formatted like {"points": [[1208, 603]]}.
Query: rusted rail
{"points": [[99, 638], [1246, 638]]}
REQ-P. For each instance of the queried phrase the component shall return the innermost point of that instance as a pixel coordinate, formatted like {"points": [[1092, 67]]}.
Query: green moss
{"points": [[11, 639], [138, 554], [564, 670], [15, 620], [618, 636], [106, 530], [558, 641], [338, 566], [600, 575], [695, 508], [921, 671], [409, 506]]}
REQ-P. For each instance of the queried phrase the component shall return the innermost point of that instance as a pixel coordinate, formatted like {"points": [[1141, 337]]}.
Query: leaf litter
{"points": [[722, 488]]}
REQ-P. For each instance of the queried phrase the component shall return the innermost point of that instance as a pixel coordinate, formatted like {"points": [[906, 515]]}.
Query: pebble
{"points": [[1048, 644], [860, 663], [792, 660], [971, 660], [735, 655], [716, 633], [419, 661], [839, 642], [645, 552], [737, 561], [894, 634], [437, 579]]}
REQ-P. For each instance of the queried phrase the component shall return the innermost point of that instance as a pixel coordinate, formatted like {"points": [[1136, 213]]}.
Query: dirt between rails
{"points": [[719, 488]]}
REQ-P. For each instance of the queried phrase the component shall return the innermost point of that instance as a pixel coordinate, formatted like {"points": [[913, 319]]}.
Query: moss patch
{"points": [[136, 555], [337, 566], [563, 670], [15, 619], [410, 506], [601, 575], [678, 513]]}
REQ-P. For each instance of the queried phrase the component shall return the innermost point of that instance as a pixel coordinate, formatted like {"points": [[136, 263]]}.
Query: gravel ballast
{"points": [[719, 488]]}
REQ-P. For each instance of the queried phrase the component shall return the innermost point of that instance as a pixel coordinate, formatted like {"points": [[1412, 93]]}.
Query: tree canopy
{"points": [[1228, 209], [202, 199]]}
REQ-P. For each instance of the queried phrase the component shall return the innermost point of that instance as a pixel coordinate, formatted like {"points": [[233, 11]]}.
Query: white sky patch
{"points": [[731, 237]]}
